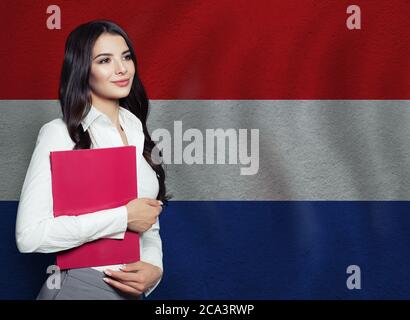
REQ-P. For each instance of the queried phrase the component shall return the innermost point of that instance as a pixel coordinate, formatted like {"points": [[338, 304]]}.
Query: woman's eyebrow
{"points": [[109, 54]]}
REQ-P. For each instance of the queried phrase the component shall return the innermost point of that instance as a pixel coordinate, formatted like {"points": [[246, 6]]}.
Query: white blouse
{"points": [[37, 230]]}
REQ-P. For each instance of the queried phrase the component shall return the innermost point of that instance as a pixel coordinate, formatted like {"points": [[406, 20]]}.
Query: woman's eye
{"points": [[128, 57]]}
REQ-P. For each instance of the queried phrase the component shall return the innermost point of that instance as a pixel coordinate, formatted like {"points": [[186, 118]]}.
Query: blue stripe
{"points": [[257, 250], [22, 274]]}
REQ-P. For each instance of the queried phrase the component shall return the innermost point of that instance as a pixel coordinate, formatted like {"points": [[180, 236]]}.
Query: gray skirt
{"points": [[83, 284]]}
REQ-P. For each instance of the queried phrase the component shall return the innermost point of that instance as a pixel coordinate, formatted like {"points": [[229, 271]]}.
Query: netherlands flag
{"points": [[313, 205]]}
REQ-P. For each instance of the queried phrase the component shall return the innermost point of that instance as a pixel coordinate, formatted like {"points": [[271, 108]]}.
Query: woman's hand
{"points": [[135, 278], [143, 213]]}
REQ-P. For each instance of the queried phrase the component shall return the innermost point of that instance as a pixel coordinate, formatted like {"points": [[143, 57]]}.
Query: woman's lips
{"points": [[122, 83]]}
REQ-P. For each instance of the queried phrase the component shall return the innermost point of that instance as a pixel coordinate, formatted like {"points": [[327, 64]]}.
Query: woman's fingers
{"points": [[138, 286], [123, 287], [135, 266], [138, 275], [130, 279], [123, 276], [153, 202]]}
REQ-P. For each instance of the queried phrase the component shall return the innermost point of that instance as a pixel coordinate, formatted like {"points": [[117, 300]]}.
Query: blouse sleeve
{"points": [[37, 230], [151, 250]]}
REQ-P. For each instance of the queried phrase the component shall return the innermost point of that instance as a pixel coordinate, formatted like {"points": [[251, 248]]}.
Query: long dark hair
{"points": [[75, 96]]}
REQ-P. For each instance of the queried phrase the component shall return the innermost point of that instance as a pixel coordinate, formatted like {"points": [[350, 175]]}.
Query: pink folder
{"points": [[88, 180]]}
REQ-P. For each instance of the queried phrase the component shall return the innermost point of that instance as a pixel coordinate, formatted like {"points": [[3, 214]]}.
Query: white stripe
{"points": [[309, 149]]}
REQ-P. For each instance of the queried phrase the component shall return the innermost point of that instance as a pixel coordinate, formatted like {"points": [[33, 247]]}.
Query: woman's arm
{"points": [[37, 230], [151, 250]]}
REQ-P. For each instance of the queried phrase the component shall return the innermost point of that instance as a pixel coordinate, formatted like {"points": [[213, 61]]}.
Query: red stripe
{"points": [[293, 49]]}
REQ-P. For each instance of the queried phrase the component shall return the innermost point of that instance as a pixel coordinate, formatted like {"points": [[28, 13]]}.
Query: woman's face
{"points": [[111, 61]]}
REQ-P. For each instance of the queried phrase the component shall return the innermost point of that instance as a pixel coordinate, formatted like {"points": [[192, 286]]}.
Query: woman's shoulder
{"points": [[55, 132], [55, 124]]}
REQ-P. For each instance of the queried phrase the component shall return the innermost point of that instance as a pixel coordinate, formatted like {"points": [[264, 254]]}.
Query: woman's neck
{"points": [[110, 109]]}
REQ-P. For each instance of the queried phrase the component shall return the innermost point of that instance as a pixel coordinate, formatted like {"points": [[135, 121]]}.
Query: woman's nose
{"points": [[120, 68]]}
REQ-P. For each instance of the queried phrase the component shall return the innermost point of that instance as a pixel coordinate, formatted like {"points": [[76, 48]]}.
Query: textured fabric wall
{"points": [[332, 107]]}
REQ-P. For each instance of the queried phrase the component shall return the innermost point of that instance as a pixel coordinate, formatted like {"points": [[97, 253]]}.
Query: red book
{"points": [[89, 180]]}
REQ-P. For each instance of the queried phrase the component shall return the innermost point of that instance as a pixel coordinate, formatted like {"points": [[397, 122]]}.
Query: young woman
{"points": [[103, 104]]}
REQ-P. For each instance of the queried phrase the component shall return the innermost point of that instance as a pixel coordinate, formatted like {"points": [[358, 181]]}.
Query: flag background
{"points": [[332, 107]]}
